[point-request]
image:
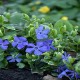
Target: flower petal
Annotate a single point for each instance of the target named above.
(43, 49)
(18, 59)
(40, 28)
(25, 43)
(62, 74)
(31, 45)
(39, 36)
(46, 31)
(12, 60)
(9, 57)
(6, 42)
(16, 39)
(53, 48)
(1, 41)
(45, 36)
(18, 55)
(29, 50)
(20, 46)
(22, 39)
(37, 52)
(4, 47)
(14, 44)
(40, 43)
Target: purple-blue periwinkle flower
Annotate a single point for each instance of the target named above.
(61, 68)
(62, 74)
(4, 44)
(77, 75)
(69, 73)
(20, 42)
(37, 49)
(65, 56)
(42, 33)
(49, 44)
(14, 58)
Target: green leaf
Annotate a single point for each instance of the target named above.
(53, 33)
(9, 35)
(77, 67)
(71, 60)
(9, 26)
(61, 23)
(1, 56)
(51, 63)
(17, 18)
(21, 65)
(1, 19)
(3, 63)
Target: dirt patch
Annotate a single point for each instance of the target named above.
(18, 74)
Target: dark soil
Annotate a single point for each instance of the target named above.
(18, 74)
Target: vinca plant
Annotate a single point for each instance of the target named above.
(30, 42)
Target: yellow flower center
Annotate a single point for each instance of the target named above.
(64, 18)
(44, 9)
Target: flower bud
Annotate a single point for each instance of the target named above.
(46, 53)
(1, 34)
(42, 20)
(34, 56)
(53, 32)
(63, 29)
(74, 33)
(58, 55)
(64, 18)
(26, 17)
(31, 31)
(56, 42)
(71, 60)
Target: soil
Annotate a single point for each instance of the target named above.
(18, 74)
(21, 74)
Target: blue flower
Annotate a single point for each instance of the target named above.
(65, 56)
(68, 73)
(4, 44)
(41, 33)
(37, 49)
(20, 42)
(14, 58)
(77, 76)
(62, 74)
(49, 45)
(61, 68)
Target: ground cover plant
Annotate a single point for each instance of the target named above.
(30, 42)
(51, 10)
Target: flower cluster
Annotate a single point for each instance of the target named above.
(37, 48)
(43, 46)
(64, 71)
